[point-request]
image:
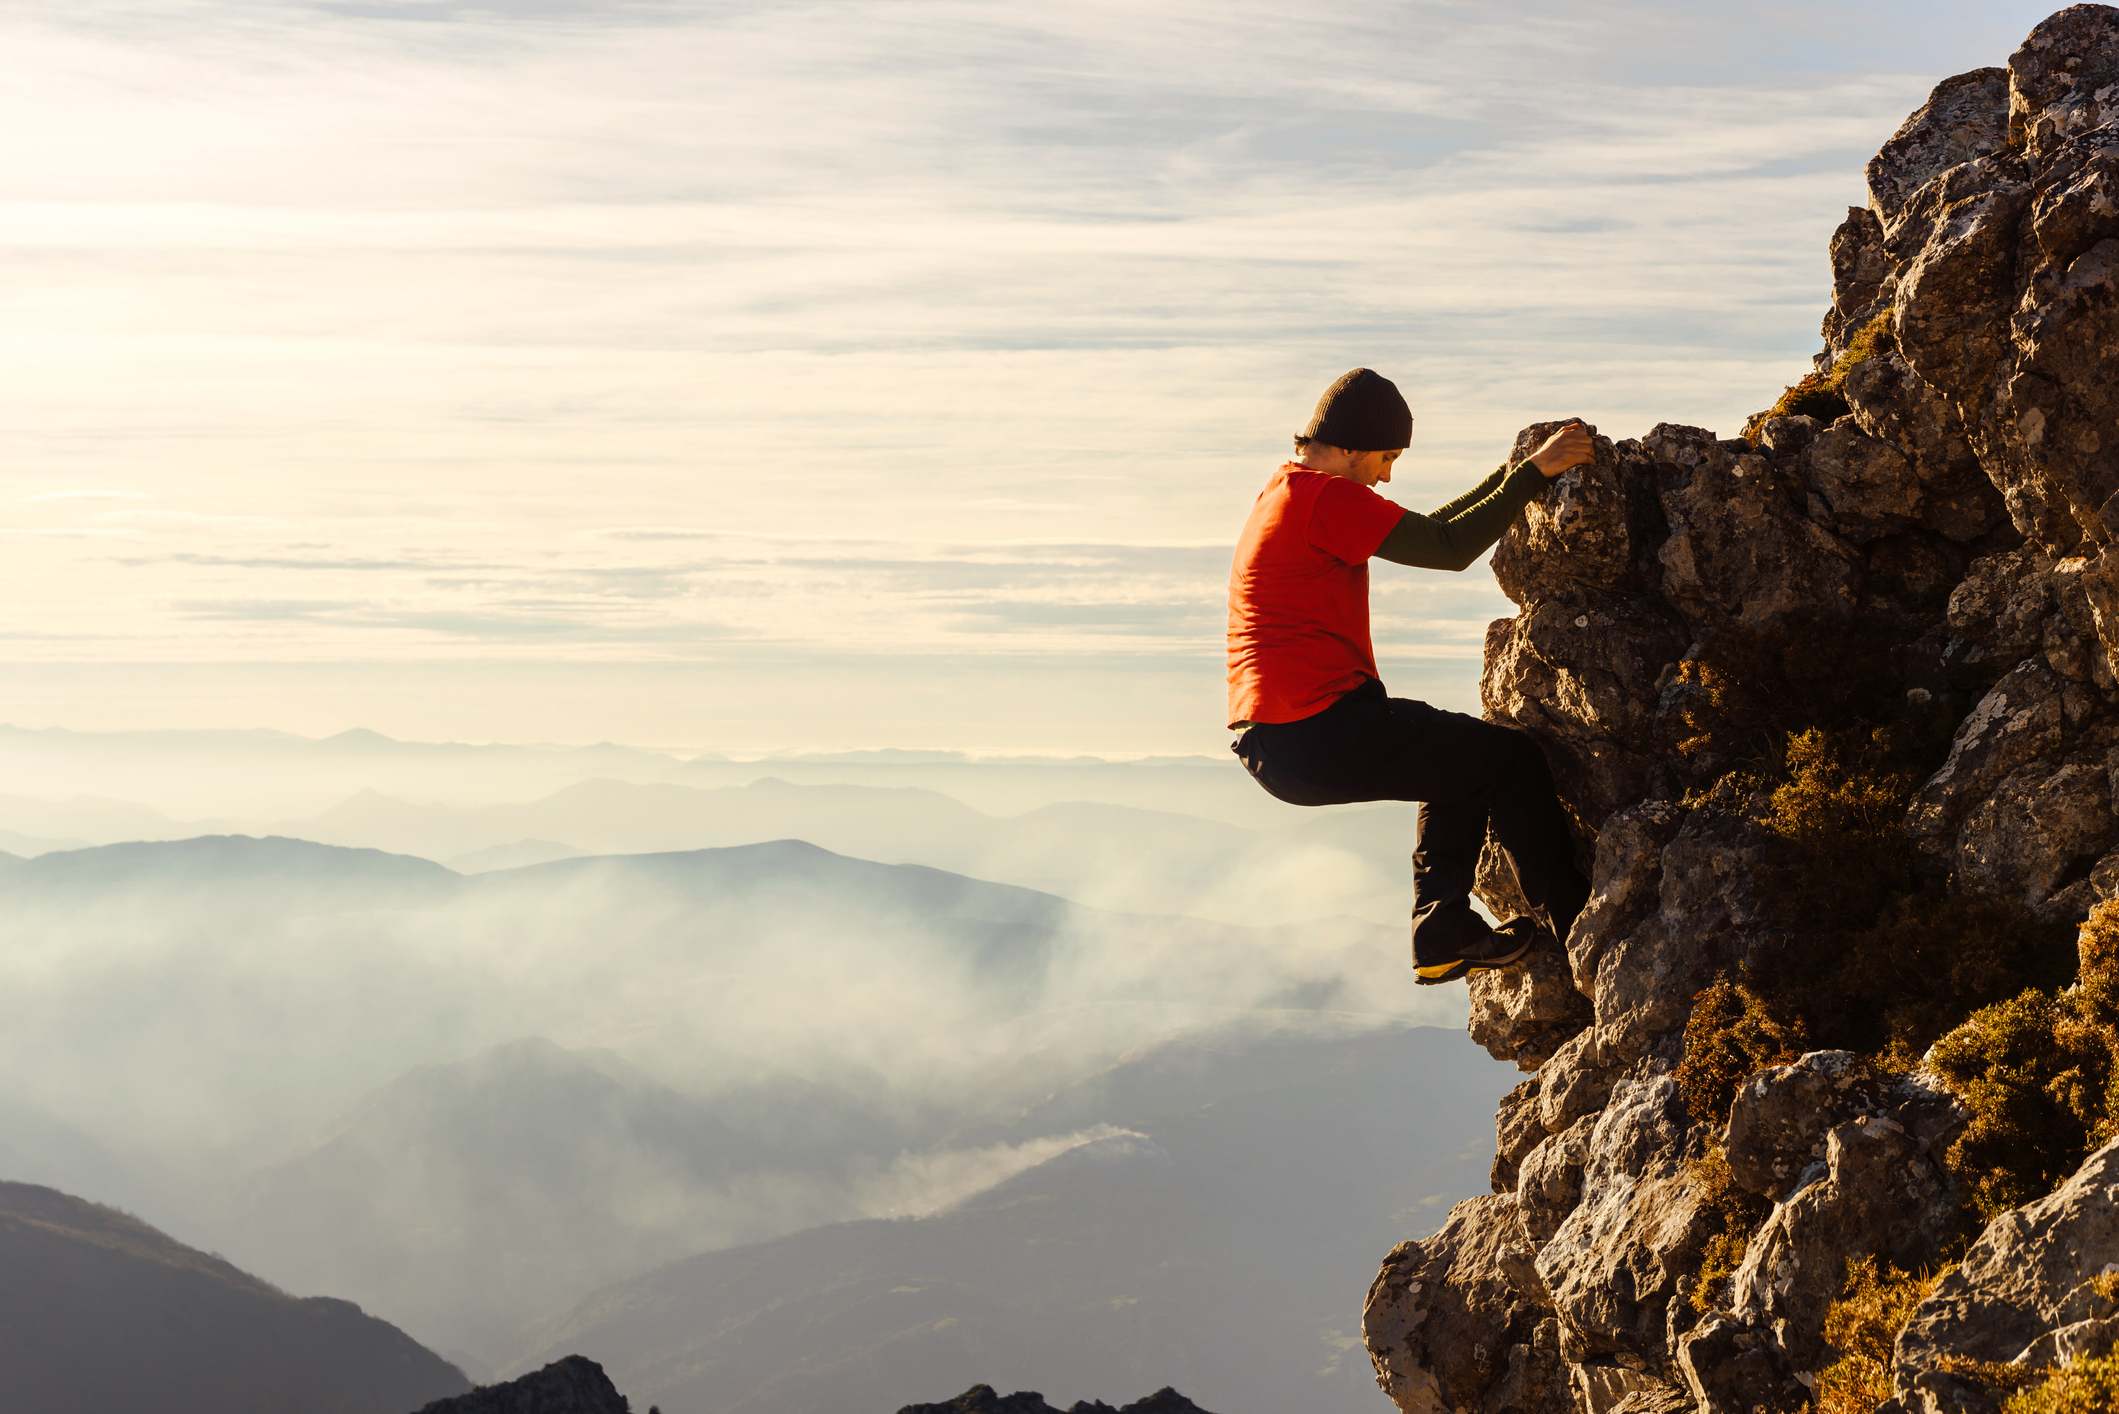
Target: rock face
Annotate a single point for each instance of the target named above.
(980, 1399)
(1942, 554)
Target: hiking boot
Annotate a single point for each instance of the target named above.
(1502, 945)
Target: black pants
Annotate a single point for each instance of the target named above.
(1466, 773)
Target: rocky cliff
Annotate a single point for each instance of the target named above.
(1822, 1087)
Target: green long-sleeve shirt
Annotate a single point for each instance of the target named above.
(1459, 531)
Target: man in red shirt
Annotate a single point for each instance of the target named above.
(1317, 727)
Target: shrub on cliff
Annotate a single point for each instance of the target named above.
(2038, 1073)
(1875, 957)
(1819, 394)
(1737, 695)
(1861, 1327)
(2088, 1386)
(1736, 1213)
(1731, 1035)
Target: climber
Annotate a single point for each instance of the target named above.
(1316, 726)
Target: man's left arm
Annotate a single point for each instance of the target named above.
(1453, 541)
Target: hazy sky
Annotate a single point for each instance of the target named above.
(744, 376)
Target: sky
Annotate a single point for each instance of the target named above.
(754, 377)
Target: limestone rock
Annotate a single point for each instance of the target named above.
(1732, 1368)
(1518, 1128)
(1573, 1083)
(2019, 721)
(1740, 550)
(1610, 1265)
(2024, 1278)
(1779, 1119)
(1880, 1194)
(1461, 1320)
(1710, 905)
(2061, 81)
(1965, 117)
(1579, 534)
(1571, 673)
(1623, 885)
(1861, 272)
(1526, 1012)
(1998, 611)
(1549, 1184)
(1869, 485)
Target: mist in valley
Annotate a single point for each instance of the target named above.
(467, 1100)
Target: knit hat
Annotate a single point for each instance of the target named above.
(1362, 412)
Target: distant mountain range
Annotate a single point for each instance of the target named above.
(1351, 861)
(99, 1311)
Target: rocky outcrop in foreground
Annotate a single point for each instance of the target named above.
(574, 1385)
(980, 1399)
(1822, 1084)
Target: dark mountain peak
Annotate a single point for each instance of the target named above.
(116, 1231)
(79, 1280)
(980, 1399)
(357, 737)
(574, 1385)
(209, 861)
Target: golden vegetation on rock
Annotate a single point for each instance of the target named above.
(1737, 1214)
(2038, 1073)
(1873, 958)
(2081, 1387)
(1817, 394)
(1860, 1328)
(1731, 1035)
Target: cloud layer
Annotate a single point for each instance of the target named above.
(579, 334)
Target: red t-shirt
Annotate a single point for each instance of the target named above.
(1299, 595)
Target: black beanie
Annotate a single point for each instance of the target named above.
(1362, 412)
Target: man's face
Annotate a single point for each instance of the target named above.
(1372, 467)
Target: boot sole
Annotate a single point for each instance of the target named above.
(1439, 972)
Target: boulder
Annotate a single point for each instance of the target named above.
(2024, 1282)
(1779, 1118)
(1526, 1012)
(1461, 1320)
(1880, 1195)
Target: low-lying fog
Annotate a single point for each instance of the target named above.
(467, 1099)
